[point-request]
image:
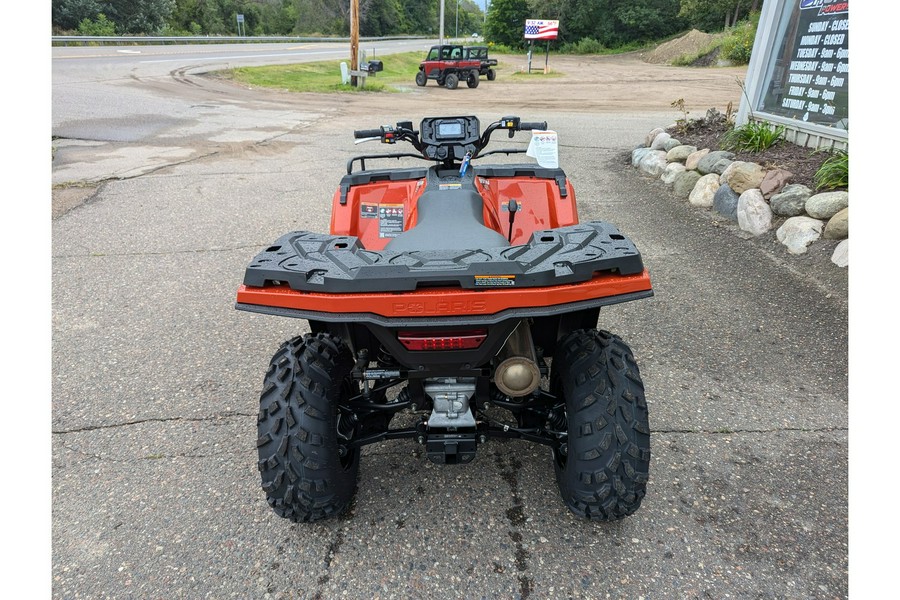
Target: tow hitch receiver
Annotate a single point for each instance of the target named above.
(451, 448)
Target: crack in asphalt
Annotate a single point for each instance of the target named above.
(516, 517)
(333, 548)
(232, 414)
(250, 143)
(218, 417)
(728, 431)
(150, 171)
(148, 457)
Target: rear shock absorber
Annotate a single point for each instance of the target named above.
(385, 359)
(556, 420)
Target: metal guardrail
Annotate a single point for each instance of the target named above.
(65, 40)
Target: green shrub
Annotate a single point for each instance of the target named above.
(583, 46)
(752, 137)
(738, 46)
(834, 172)
(102, 26)
(502, 49)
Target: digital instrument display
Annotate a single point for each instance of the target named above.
(449, 130)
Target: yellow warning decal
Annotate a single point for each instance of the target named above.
(495, 280)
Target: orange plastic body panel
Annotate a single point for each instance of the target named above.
(540, 207)
(349, 219)
(446, 302)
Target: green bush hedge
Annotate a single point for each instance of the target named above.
(738, 46)
(583, 46)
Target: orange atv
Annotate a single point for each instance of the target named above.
(434, 305)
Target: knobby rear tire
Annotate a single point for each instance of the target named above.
(603, 473)
(303, 475)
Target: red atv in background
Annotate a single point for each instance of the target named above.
(448, 66)
(434, 305)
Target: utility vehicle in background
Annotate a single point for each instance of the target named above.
(486, 64)
(448, 66)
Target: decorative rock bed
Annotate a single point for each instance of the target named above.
(746, 193)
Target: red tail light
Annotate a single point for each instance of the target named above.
(442, 340)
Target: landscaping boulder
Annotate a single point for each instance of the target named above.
(659, 142)
(721, 166)
(774, 182)
(680, 153)
(725, 202)
(637, 154)
(694, 159)
(704, 191)
(671, 143)
(753, 213)
(707, 163)
(791, 201)
(827, 204)
(653, 163)
(839, 256)
(684, 183)
(838, 227)
(673, 170)
(799, 232)
(648, 141)
(742, 176)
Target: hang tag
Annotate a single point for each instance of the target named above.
(544, 147)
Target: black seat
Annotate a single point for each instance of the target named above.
(449, 219)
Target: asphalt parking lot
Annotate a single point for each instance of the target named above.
(156, 379)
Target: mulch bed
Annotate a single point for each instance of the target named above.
(802, 162)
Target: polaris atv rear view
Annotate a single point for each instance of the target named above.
(438, 298)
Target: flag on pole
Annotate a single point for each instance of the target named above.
(539, 29)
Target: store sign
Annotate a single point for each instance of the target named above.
(539, 29)
(808, 79)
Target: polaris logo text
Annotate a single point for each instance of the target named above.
(451, 307)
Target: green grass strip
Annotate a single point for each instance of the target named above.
(325, 76)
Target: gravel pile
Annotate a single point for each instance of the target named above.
(690, 44)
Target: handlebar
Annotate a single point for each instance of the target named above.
(367, 133)
(404, 132)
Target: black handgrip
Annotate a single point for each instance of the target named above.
(367, 133)
(529, 126)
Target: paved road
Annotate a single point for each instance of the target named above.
(155, 379)
(124, 111)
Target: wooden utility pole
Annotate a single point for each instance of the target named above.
(442, 23)
(354, 39)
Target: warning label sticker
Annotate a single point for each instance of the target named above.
(449, 186)
(495, 280)
(390, 220)
(368, 211)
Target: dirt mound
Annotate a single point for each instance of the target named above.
(690, 44)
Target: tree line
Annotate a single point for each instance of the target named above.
(262, 17)
(612, 23)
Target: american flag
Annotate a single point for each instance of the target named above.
(537, 29)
